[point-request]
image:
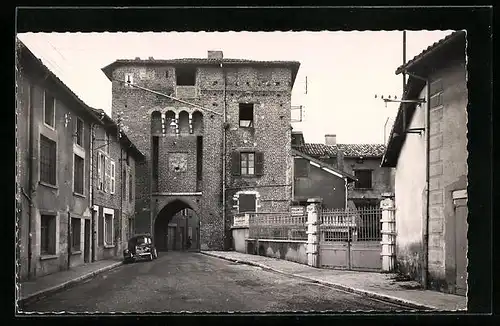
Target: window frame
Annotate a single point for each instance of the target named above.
(251, 122)
(247, 163)
(76, 191)
(45, 93)
(78, 133)
(108, 212)
(51, 166)
(356, 183)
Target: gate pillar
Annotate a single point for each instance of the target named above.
(388, 233)
(313, 219)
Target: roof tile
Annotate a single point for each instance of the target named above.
(349, 150)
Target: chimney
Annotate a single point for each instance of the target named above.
(331, 139)
(215, 55)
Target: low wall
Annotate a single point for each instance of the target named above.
(240, 234)
(291, 250)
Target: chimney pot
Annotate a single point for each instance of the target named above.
(331, 139)
(215, 55)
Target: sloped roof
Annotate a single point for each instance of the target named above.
(325, 166)
(293, 65)
(93, 112)
(430, 49)
(349, 150)
(428, 61)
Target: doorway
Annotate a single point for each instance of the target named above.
(86, 242)
(461, 212)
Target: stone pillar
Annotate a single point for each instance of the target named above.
(313, 220)
(388, 233)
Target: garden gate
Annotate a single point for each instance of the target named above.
(350, 239)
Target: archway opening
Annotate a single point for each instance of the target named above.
(177, 228)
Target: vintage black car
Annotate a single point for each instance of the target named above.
(140, 247)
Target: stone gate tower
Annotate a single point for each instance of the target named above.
(216, 135)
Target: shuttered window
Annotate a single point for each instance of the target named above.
(247, 163)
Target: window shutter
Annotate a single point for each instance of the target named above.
(112, 177)
(259, 163)
(99, 172)
(235, 163)
(107, 175)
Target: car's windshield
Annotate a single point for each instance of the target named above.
(142, 240)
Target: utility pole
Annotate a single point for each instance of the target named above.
(404, 59)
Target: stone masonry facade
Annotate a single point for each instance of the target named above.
(177, 177)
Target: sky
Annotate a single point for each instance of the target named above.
(344, 69)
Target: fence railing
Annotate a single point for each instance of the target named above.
(279, 226)
(362, 224)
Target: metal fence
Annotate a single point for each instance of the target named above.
(280, 226)
(362, 224)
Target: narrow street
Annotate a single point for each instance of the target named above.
(194, 282)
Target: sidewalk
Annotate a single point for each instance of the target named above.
(44, 285)
(378, 285)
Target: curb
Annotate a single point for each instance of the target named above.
(42, 293)
(382, 297)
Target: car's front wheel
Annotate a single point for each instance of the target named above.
(155, 254)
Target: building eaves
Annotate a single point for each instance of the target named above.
(293, 65)
(111, 126)
(430, 50)
(324, 165)
(348, 150)
(94, 113)
(424, 63)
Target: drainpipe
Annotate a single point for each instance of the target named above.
(31, 164)
(224, 160)
(93, 221)
(427, 177)
(346, 190)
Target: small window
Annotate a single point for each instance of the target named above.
(186, 76)
(246, 115)
(79, 132)
(47, 160)
(78, 174)
(247, 163)
(48, 234)
(129, 79)
(301, 167)
(49, 110)
(75, 234)
(247, 203)
(364, 179)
